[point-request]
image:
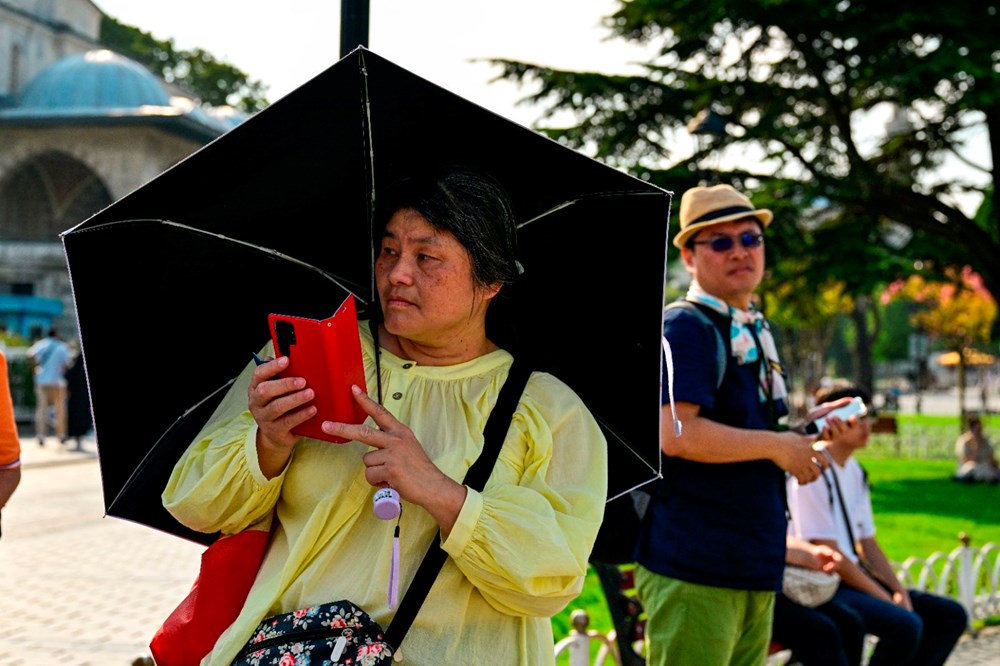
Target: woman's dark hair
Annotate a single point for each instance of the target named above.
(469, 204)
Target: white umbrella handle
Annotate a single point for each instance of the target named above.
(669, 357)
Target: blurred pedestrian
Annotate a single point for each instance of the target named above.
(50, 356)
(10, 444)
(977, 460)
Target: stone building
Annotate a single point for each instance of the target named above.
(80, 127)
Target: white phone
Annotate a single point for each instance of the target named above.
(856, 407)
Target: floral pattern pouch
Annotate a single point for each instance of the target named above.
(332, 634)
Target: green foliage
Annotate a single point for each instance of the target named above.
(216, 83)
(21, 377)
(793, 82)
(894, 345)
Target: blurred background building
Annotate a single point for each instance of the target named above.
(80, 127)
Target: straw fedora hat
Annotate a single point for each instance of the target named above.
(702, 207)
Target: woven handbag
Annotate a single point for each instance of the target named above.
(809, 587)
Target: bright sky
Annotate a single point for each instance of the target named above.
(284, 44)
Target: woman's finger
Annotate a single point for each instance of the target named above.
(357, 432)
(383, 417)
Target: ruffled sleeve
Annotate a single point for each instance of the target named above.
(217, 484)
(524, 542)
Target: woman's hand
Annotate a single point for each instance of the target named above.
(399, 461)
(277, 405)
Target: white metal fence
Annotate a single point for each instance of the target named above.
(967, 574)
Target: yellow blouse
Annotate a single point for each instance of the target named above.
(517, 553)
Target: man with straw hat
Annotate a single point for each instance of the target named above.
(712, 549)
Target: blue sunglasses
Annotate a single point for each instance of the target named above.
(747, 239)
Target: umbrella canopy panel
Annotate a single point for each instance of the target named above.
(277, 216)
(151, 361)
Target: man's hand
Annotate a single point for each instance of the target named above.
(815, 556)
(902, 599)
(825, 408)
(797, 457)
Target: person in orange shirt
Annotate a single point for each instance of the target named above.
(10, 444)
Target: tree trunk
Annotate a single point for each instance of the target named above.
(961, 390)
(863, 346)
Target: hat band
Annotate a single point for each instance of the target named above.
(722, 212)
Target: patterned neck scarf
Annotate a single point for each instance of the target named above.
(746, 329)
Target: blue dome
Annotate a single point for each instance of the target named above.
(94, 80)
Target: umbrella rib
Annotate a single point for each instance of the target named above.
(595, 195)
(142, 463)
(260, 248)
(635, 487)
(606, 427)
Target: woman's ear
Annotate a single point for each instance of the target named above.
(490, 290)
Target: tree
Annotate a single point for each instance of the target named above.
(794, 82)
(959, 313)
(215, 83)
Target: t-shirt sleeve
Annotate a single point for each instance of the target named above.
(217, 484)
(693, 348)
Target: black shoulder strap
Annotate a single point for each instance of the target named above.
(721, 352)
(840, 500)
(493, 434)
(850, 532)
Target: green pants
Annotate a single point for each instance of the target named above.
(700, 625)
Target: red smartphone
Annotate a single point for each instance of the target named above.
(327, 354)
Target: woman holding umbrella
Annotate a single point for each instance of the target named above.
(517, 551)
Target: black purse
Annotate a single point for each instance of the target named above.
(340, 632)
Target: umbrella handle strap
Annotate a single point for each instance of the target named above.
(668, 356)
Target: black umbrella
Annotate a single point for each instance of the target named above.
(173, 283)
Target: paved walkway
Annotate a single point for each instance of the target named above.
(79, 589)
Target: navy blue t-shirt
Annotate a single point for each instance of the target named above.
(716, 524)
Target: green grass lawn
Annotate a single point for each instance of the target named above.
(919, 510)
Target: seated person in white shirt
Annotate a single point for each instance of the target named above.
(913, 627)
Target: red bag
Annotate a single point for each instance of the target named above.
(228, 569)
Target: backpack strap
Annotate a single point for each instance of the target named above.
(721, 356)
(494, 434)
